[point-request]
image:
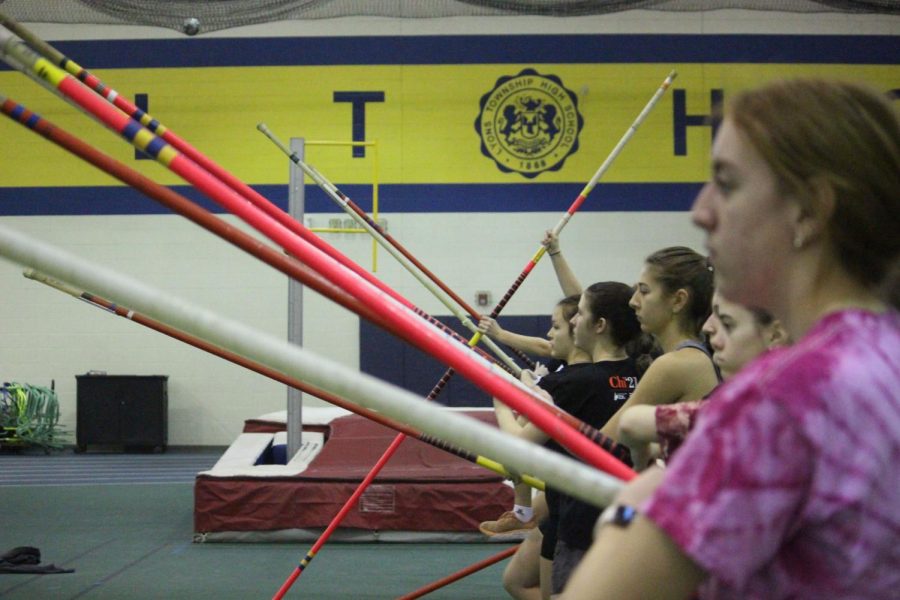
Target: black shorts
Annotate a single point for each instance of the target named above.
(548, 543)
(564, 562)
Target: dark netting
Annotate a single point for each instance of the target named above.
(211, 15)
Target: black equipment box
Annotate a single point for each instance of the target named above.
(131, 411)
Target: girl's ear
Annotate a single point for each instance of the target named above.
(776, 335)
(679, 300)
(817, 204)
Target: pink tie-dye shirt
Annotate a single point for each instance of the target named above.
(789, 487)
(673, 423)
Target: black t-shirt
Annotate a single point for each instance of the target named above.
(592, 392)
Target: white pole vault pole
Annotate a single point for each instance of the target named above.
(561, 472)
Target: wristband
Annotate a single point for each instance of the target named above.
(553, 253)
(620, 515)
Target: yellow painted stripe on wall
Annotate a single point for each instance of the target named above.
(425, 127)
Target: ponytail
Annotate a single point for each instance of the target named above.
(644, 349)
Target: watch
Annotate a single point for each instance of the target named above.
(620, 515)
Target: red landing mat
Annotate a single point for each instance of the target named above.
(421, 489)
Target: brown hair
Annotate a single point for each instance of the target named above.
(569, 307)
(847, 135)
(678, 267)
(609, 299)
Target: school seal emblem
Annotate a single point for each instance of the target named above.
(529, 123)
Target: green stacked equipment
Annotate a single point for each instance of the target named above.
(29, 416)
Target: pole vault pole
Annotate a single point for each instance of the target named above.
(620, 452)
(564, 220)
(562, 472)
(136, 317)
(181, 205)
(153, 126)
(211, 223)
(412, 265)
(567, 474)
(278, 260)
(58, 82)
(473, 568)
(393, 246)
(63, 62)
(377, 231)
(407, 322)
(576, 204)
(353, 209)
(603, 441)
(127, 313)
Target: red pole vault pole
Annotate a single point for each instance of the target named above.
(501, 388)
(407, 323)
(211, 223)
(200, 344)
(350, 207)
(558, 228)
(620, 452)
(202, 180)
(185, 207)
(473, 568)
(183, 166)
(601, 440)
(576, 204)
(121, 311)
(154, 126)
(336, 521)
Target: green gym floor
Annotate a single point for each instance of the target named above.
(133, 541)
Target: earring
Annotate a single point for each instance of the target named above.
(799, 242)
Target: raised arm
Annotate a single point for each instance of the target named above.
(535, 346)
(567, 281)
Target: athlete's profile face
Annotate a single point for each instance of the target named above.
(560, 335)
